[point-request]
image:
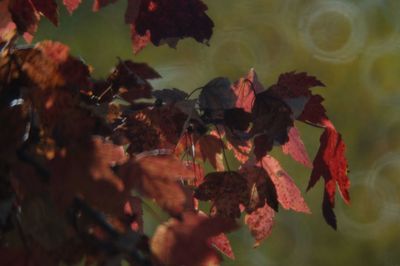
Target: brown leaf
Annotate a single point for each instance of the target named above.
(131, 80)
(156, 128)
(192, 236)
(211, 148)
(226, 190)
(158, 177)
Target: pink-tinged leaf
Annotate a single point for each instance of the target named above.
(133, 208)
(221, 243)
(71, 5)
(295, 148)
(244, 90)
(48, 8)
(98, 4)
(289, 195)
(7, 27)
(139, 41)
(260, 223)
(293, 85)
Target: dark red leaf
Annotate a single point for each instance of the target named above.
(167, 21)
(271, 122)
(237, 119)
(48, 8)
(24, 15)
(261, 187)
(293, 85)
(226, 190)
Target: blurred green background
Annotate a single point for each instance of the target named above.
(352, 46)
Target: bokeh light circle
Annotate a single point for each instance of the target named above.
(379, 70)
(323, 26)
(371, 208)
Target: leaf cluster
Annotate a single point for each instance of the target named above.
(80, 156)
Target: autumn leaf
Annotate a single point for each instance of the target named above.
(71, 5)
(271, 122)
(226, 190)
(330, 162)
(289, 195)
(155, 128)
(210, 148)
(158, 177)
(295, 147)
(85, 170)
(170, 96)
(48, 8)
(293, 85)
(192, 235)
(222, 244)
(166, 21)
(133, 208)
(215, 97)
(24, 15)
(131, 80)
(260, 186)
(245, 90)
(260, 223)
(98, 4)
